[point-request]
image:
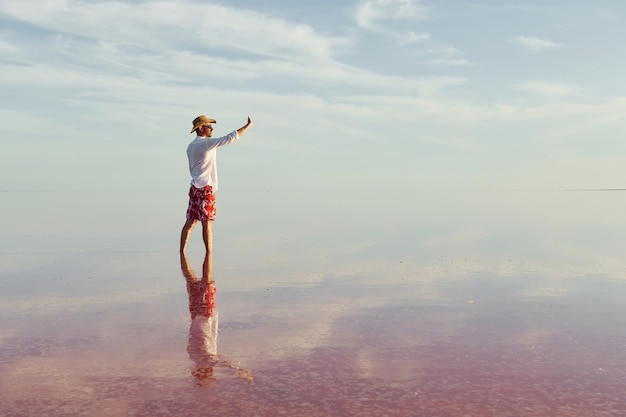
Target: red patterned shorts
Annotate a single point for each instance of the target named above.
(201, 203)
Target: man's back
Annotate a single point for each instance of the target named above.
(202, 156)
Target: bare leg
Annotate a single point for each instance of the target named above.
(186, 269)
(184, 234)
(206, 269)
(207, 236)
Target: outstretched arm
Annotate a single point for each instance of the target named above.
(243, 129)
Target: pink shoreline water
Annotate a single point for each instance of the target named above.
(335, 349)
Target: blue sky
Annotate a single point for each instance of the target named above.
(391, 94)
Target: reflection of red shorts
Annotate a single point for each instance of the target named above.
(201, 203)
(201, 298)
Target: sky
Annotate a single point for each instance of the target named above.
(396, 96)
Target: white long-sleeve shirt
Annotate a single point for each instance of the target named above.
(202, 155)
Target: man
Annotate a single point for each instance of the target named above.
(201, 153)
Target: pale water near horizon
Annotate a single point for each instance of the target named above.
(440, 304)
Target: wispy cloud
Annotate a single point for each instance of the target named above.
(411, 38)
(535, 44)
(370, 13)
(171, 25)
(6, 47)
(448, 55)
(553, 90)
(158, 43)
(514, 7)
(384, 17)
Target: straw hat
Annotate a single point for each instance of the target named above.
(201, 121)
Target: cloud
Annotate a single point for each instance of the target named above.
(383, 16)
(535, 44)
(552, 90)
(446, 55)
(108, 44)
(6, 47)
(451, 62)
(514, 7)
(458, 144)
(370, 12)
(411, 38)
(172, 25)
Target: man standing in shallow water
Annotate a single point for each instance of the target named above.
(202, 152)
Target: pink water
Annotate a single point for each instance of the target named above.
(480, 347)
(487, 305)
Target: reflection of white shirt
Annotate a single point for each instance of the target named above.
(202, 154)
(202, 346)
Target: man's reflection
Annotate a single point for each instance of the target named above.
(202, 346)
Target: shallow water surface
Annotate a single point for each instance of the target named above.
(463, 318)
